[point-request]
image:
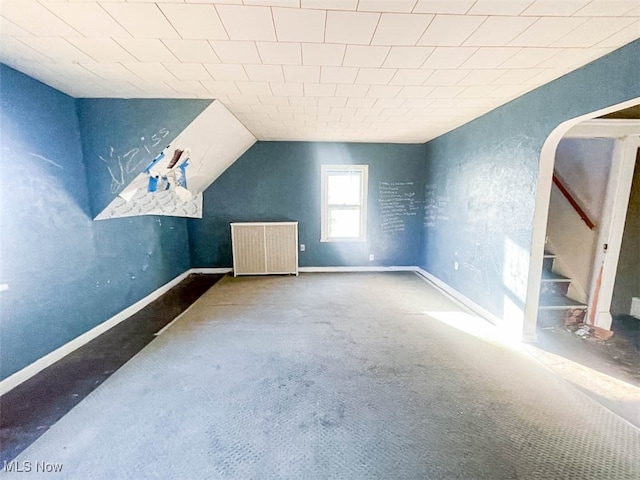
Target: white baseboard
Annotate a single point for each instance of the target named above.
(49, 359)
(459, 298)
(30, 370)
(356, 269)
(210, 271)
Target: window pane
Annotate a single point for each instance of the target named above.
(344, 223)
(343, 188)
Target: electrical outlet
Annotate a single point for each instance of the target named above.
(456, 265)
(371, 257)
(302, 247)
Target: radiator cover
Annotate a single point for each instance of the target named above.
(264, 248)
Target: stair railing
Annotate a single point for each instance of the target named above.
(576, 206)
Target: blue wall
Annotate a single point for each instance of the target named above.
(66, 273)
(121, 137)
(280, 181)
(481, 180)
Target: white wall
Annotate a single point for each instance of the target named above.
(583, 165)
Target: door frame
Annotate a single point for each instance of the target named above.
(541, 213)
(614, 213)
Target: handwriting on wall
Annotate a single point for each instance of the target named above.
(397, 202)
(120, 164)
(435, 206)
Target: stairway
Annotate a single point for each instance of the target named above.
(556, 309)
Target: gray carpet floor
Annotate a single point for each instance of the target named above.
(334, 376)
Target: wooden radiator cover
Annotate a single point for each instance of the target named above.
(266, 248)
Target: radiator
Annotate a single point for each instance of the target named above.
(265, 248)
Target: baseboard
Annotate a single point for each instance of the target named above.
(456, 296)
(459, 298)
(210, 271)
(29, 371)
(49, 359)
(357, 269)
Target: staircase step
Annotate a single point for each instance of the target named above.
(554, 283)
(555, 311)
(555, 302)
(548, 276)
(555, 308)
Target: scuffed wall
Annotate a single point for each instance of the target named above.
(481, 180)
(208, 144)
(121, 137)
(65, 273)
(280, 181)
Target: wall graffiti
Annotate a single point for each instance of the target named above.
(120, 166)
(397, 202)
(435, 207)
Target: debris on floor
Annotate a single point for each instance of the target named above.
(574, 317)
(590, 331)
(616, 354)
(582, 331)
(601, 333)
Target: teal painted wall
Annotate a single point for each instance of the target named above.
(121, 137)
(280, 181)
(66, 273)
(481, 180)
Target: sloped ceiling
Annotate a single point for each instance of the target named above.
(357, 70)
(210, 143)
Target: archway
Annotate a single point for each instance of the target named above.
(543, 193)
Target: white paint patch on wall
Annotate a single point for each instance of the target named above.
(215, 140)
(164, 203)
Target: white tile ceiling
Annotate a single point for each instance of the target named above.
(356, 70)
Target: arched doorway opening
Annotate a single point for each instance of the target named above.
(609, 237)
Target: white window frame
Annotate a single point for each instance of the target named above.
(325, 170)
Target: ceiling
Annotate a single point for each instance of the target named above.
(346, 70)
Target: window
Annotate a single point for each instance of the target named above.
(344, 203)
